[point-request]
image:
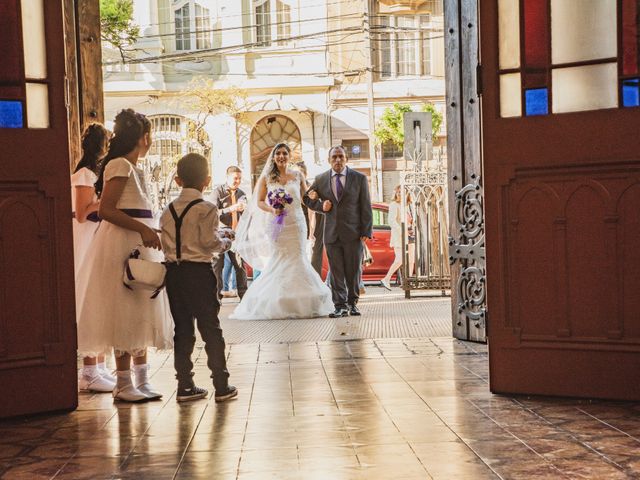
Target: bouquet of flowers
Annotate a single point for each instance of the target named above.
(279, 199)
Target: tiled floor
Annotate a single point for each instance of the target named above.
(361, 409)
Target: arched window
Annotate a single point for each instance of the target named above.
(172, 137)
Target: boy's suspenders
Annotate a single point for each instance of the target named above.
(178, 221)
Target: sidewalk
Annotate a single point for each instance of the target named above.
(384, 315)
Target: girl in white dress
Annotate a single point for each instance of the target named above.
(288, 286)
(95, 141)
(112, 316)
(395, 241)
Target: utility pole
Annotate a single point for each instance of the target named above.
(376, 163)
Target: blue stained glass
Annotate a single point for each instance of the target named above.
(536, 101)
(631, 92)
(11, 114)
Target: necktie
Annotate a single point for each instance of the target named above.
(234, 214)
(339, 186)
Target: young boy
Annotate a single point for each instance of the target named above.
(190, 237)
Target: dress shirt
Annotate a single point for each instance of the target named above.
(334, 179)
(221, 198)
(199, 234)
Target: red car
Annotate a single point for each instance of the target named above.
(383, 255)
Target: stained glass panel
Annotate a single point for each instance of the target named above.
(536, 33)
(630, 38)
(509, 33)
(631, 92)
(583, 30)
(11, 115)
(37, 105)
(590, 87)
(510, 99)
(536, 101)
(33, 37)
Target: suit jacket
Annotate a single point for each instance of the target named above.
(351, 217)
(221, 198)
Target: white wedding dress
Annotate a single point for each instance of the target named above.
(288, 286)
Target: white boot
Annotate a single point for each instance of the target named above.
(105, 373)
(91, 381)
(124, 389)
(142, 382)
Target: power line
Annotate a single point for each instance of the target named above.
(227, 49)
(245, 27)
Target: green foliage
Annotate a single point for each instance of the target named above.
(390, 128)
(436, 118)
(116, 24)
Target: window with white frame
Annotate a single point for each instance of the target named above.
(268, 30)
(403, 44)
(192, 26)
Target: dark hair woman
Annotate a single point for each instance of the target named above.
(112, 316)
(84, 203)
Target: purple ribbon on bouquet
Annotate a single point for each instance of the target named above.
(278, 225)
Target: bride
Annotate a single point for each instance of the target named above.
(273, 240)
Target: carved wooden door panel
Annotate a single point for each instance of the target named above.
(466, 214)
(37, 318)
(561, 153)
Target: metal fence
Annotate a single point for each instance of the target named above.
(425, 230)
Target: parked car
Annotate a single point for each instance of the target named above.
(383, 255)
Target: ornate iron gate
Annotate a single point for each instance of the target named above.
(425, 231)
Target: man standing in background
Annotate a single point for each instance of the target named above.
(231, 202)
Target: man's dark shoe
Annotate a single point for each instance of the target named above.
(227, 394)
(353, 311)
(339, 312)
(193, 393)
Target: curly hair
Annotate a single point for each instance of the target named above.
(93, 139)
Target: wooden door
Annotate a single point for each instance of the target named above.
(466, 213)
(37, 318)
(561, 153)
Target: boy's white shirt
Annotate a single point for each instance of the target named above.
(200, 235)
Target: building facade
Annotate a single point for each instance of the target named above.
(302, 67)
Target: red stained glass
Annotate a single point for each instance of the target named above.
(11, 71)
(536, 33)
(630, 39)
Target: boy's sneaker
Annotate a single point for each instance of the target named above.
(227, 394)
(193, 393)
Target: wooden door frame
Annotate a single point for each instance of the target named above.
(85, 96)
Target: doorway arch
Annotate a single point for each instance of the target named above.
(268, 132)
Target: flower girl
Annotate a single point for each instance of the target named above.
(95, 141)
(112, 316)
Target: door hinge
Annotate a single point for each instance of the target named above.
(479, 79)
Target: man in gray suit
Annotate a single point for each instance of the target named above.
(342, 195)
